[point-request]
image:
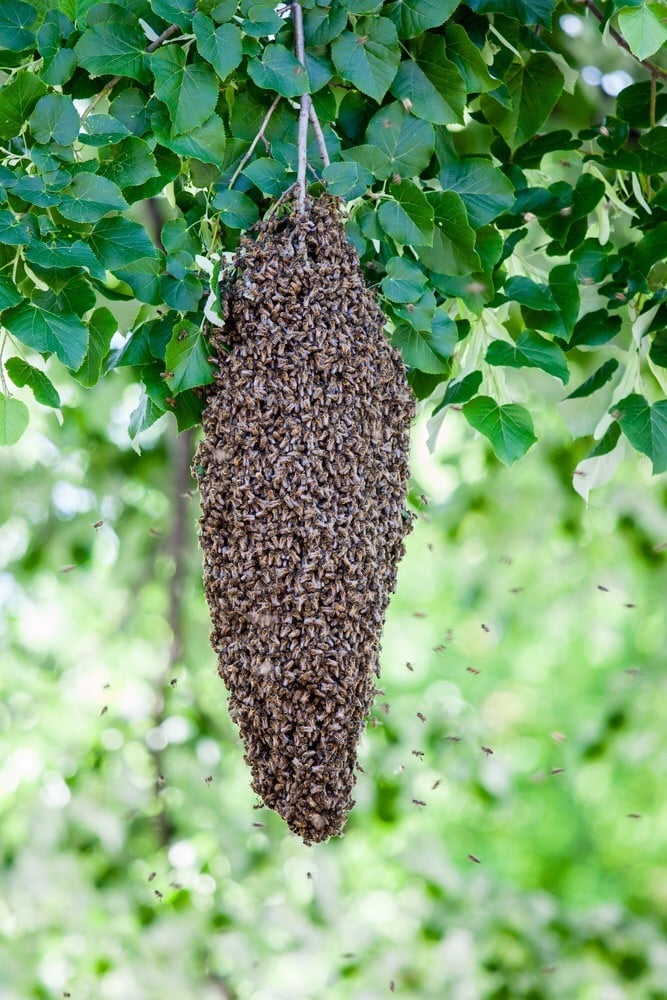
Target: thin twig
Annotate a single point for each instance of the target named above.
(618, 37)
(652, 101)
(108, 87)
(319, 134)
(251, 148)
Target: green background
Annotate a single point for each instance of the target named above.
(569, 897)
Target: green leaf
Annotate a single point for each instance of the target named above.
(407, 216)
(206, 143)
(59, 333)
(113, 49)
(237, 210)
(145, 414)
(102, 130)
(90, 197)
(594, 329)
(509, 428)
(431, 84)
(186, 358)
(14, 232)
(143, 277)
(102, 325)
(467, 57)
(68, 293)
(370, 157)
(17, 99)
(128, 163)
(9, 295)
(14, 419)
(63, 254)
(21, 373)
(524, 11)
(118, 242)
(183, 293)
(404, 282)
(657, 354)
(16, 18)
(190, 90)
(599, 378)
(177, 237)
(529, 293)
(453, 250)
(369, 57)
(565, 294)
(643, 28)
(530, 351)
(534, 88)
(645, 427)
(221, 47)
(279, 71)
(262, 20)
(269, 176)
(483, 188)
(429, 351)
(55, 119)
(407, 141)
(419, 314)
(322, 26)
(412, 17)
(174, 11)
(607, 442)
(460, 391)
(347, 180)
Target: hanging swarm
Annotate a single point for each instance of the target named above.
(303, 475)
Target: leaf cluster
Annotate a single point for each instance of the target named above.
(507, 250)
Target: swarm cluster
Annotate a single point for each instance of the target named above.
(303, 476)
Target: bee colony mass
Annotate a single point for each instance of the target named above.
(303, 476)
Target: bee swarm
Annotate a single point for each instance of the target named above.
(303, 477)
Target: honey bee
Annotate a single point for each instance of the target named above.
(485, 628)
(472, 670)
(475, 860)
(486, 750)
(104, 710)
(417, 753)
(98, 524)
(208, 779)
(419, 802)
(605, 589)
(152, 876)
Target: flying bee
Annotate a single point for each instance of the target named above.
(556, 770)
(475, 860)
(173, 682)
(417, 753)
(472, 670)
(98, 524)
(152, 876)
(487, 750)
(485, 628)
(634, 815)
(208, 779)
(436, 784)
(105, 709)
(422, 718)
(604, 589)
(158, 894)
(410, 667)
(419, 802)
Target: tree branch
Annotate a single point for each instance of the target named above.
(652, 67)
(304, 112)
(253, 144)
(319, 134)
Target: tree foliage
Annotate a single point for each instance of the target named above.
(500, 243)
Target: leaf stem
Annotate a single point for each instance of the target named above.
(652, 103)
(253, 144)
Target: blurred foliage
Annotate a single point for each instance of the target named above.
(133, 861)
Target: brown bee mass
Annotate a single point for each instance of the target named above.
(303, 476)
